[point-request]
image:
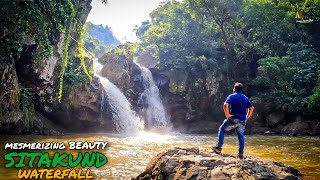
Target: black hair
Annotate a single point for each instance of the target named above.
(238, 87)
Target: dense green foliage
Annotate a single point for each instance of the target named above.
(40, 19)
(81, 53)
(65, 56)
(43, 22)
(269, 45)
(289, 80)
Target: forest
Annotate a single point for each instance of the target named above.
(271, 46)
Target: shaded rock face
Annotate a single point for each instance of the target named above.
(80, 108)
(81, 112)
(297, 128)
(194, 105)
(267, 119)
(275, 118)
(12, 123)
(116, 69)
(125, 74)
(36, 77)
(147, 58)
(194, 163)
(9, 89)
(11, 117)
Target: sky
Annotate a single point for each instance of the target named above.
(122, 15)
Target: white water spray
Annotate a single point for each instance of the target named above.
(155, 113)
(124, 118)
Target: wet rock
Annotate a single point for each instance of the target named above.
(161, 80)
(35, 79)
(81, 112)
(297, 129)
(116, 69)
(43, 126)
(315, 124)
(11, 116)
(147, 58)
(124, 73)
(12, 123)
(194, 163)
(275, 118)
(9, 89)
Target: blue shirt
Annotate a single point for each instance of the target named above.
(238, 104)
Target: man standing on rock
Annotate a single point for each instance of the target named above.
(237, 109)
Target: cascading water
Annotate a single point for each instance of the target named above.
(124, 118)
(155, 113)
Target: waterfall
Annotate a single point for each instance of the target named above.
(124, 118)
(155, 113)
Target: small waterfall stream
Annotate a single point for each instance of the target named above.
(155, 113)
(124, 118)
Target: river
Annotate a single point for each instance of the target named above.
(128, 155)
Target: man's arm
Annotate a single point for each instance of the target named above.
(226, 110)
(249, 113)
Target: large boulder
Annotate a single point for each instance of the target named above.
(121, 70)
(81, 111)
(147, 58)
(315, 125)
(275, 118)
(297, 128)
(194, 163)
(115, 69)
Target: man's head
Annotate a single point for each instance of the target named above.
(238, 87)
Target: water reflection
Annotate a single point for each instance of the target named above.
(128, 155)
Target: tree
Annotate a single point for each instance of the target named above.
(289, 80)
(224, 14)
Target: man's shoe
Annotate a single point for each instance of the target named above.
(240, 156)
(217, 149)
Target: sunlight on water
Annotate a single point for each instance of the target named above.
(129, 155)
(150, 137)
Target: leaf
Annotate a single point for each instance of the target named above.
(299, 15)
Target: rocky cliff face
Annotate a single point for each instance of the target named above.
(267, 120)
(194, 105)
(10, 114)
(124, 73)
(30, 77)
(195, 163)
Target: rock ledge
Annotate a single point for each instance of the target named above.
(194, 163)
